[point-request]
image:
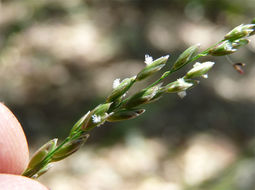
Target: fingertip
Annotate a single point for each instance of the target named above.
(14, 153)
(15, 182)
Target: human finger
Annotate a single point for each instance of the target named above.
(14, 154)
(15, 182)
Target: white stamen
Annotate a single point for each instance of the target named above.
(148, 59)
(105, 116)
(199, 66)
(182, 94)
(183, 83)
(116, 83)
(96, 118)
(205, 76)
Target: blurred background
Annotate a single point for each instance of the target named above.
(58, 59)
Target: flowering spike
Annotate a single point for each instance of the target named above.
(180, 85)
(120, 88)
(41, 153)
(240, 32)
(144, 96)
(224, 48)
(96, 117)
(78, 124)
(185, 57)
(69, 148)
(151, 66)
(117, 109)
(240, 42)
(199, 69)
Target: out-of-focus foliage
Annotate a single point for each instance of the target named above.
(58, 59)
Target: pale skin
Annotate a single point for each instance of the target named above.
(14, 154)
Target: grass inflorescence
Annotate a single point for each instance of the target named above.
(117, 107)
